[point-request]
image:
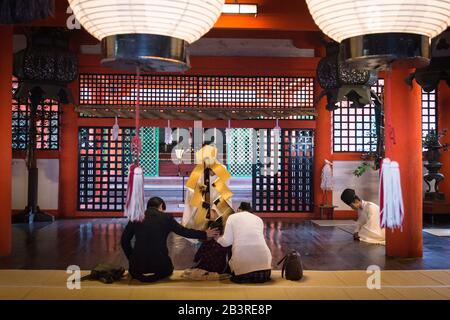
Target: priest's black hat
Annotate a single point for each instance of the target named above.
(348, 196)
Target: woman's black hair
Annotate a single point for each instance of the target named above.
(245, 206)
(156, 202)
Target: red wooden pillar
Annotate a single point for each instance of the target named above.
(322, 147)
(443, 95)
(403, 115)
(68, 168)
(6, 62)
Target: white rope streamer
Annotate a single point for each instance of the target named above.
(228, 133)
(326, 182)
(168, 139)
(115, 131)
(277, 133)
(391, 197)
(135, 208)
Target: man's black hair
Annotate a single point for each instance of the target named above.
(348, 196)
(245, 206)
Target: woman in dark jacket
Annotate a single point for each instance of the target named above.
(149, 259)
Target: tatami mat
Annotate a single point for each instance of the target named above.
(333, 223)
(51, 284)
(438, 232)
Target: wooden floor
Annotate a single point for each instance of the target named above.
(87, 242)
(315, 285)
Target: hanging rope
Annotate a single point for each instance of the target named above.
(136, 144)
(134, 206)
(228, 133)
(388, 102)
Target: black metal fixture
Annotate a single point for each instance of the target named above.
(147, 51)
(432, 154)
(23, 11)
(43, 70)
(439, 68)
(342, 82)
(377, 51)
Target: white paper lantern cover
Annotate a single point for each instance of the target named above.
(183, 19)
(343, 19)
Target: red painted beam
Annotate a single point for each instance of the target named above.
(6, 64)
(68, 168)
(322, 149)
(259, 124)
(403, 126)
(226, 66)
(40, 154)
(443, 95)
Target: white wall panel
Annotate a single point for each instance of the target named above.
(48, 184)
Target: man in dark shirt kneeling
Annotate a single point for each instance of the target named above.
(149, 259)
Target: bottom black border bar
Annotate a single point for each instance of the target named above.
(212, 309)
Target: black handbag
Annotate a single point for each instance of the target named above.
(292, 266)
(106, 273)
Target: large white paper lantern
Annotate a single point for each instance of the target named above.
(150, 30)
(343, 19)
(399, 28)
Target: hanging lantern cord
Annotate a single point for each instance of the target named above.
(136, 144)
(388, 101)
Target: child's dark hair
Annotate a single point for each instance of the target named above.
(218, 224)
(156, 202)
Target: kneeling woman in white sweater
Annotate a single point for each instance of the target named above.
(251, 260)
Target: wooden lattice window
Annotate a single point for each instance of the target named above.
(103, 165)
(149, 158)
(354, 128)
(213, 136)
(102, 168)
(283, 172)
(47, 124)
(187, 92)
(240, 152)
(429, 112)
